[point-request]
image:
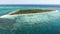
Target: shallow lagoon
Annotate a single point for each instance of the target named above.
(46, 23)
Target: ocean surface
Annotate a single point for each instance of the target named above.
(5, 9)
(36, 24)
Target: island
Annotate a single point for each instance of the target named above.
(31, 11)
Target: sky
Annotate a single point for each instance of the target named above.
(29, 1)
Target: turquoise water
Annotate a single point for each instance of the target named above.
(34, 24)
(7, 9)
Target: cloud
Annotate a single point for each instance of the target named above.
(29, 1)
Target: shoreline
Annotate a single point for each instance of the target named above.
(8, 15)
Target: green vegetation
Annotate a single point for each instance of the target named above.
(31, 11)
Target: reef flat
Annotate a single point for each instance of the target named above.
(37, 23)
